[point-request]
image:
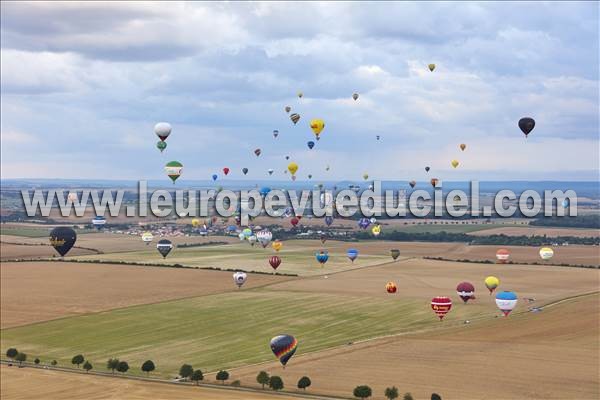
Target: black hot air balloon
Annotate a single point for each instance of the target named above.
(526, 124)
(395, 253)
(245, 170)
(164, 247)
(63, 238)
(284, 347)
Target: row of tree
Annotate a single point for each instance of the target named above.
(391, 393)
(276, 383)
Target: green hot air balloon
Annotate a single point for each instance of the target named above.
(173, 170)
(161, 145)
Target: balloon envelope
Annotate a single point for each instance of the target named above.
(275, 261)
(164, 247)
(506, 302)
(395, 253)
(546, 253)
(293, 168)
(441, 305)
(466, 291)
(491, 282)
(239, 278)
(502, 255)
(526, 124)
(352, 254)
(162, 130)
(173, 169)
(63, 238)
(284, 347)
(322, 257)
(317, 126)
(225, 170)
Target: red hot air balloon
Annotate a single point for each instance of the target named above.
(294, 221)
(226, 170)
(466, 291)
(275, 261)
(441, 305)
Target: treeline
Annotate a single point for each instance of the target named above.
(464, 260)
(186, 245)
(501, 239)
(581, 221)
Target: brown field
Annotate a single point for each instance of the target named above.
(538, 231)
(547, 355)
(40, 291)
(30, 383)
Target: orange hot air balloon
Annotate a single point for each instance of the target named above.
(502, 255)
(277, 245)
(441, 305)
(391, 287)
(463, 146)
(434, 182)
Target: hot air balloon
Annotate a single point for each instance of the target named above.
(275, 261)
(322, 257)
(244, 171)
(526, 125)
(264, 191)
(376, 230)
(293, 167)
(294, 221)
(506, 302)
(365, 176)
(195, 222)
(491, 282)
(295, 118)
(173, 170)
(247, 232)
(277, 245)
(317, 126)
(377, 137)
(62, 238)
(162, 130)
(287, 157)
(161, 145)
(327, 168)
(395, 253)
(226, 170)
(98, 222)
(454, 163)
(352, 254)
(239, 278)
(264, 238)
(300, 94)
(431, 67)
(270, 171)
(275, 133)
(310, 144)
(72, 196)
(466, 291)
(441, 305)
(364, 223)
(326, 199)
(288, 109)
(328, 220)
(412, 183)
(323, 238)
(284, 347)
(391, 287)
(257, 152)
(355, 96)
(502, 255)
(252, 240)
(565, 203)
(427, 169)
(164, 247)
(309, 176)
(241, 236)
(546, 253)
(463, 146)
(214, 177)
(434, 182)
(147, 237)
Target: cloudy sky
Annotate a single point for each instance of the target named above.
(84, 84)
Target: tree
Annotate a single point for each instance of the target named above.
(276, 383)
(262, 378)
(36, 361)
(197, 376)
(304, 382)
(87, 366)
(186, 371)
(112, 364)
(362, 392)
(435, 396)
(391, 393)
(122, 366)
(12, 353)
(148, 366)
(222, 376)
(78, 359)
(53, 363)
(407, 396)
(21, 358)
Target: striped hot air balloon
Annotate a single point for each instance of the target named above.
(506, 302)
(284, 347)
(502, 255)
(275, 261)
(466, 291)
(173, 170)
(352, 254)
(322, 257)
(441, 305)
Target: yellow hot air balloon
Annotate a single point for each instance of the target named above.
(491, 282)
(293, 167)
(463, 146)
(546, 253)
(277, 245)
(431, 67)
(376, 230)
(195, 222)
(365, 176)
(454, 163)
(317, 126)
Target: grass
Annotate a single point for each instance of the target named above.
(218, 331)
(25, 231)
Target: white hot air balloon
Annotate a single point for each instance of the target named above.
(546, 253)
(147, 237)
(264, 237)
(506, 302)
(239, 278)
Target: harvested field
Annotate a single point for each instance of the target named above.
(537, 231)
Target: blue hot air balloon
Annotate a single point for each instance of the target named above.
(214, 177)
(328, 220)
(506, 302)
(322, 257)
(265, 191)
(310, 144)
(352, 254)
(284, 347)
(364, 223)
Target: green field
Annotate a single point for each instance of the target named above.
(297, 258)
(466, 228)
(25, 231)
(219, 331)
